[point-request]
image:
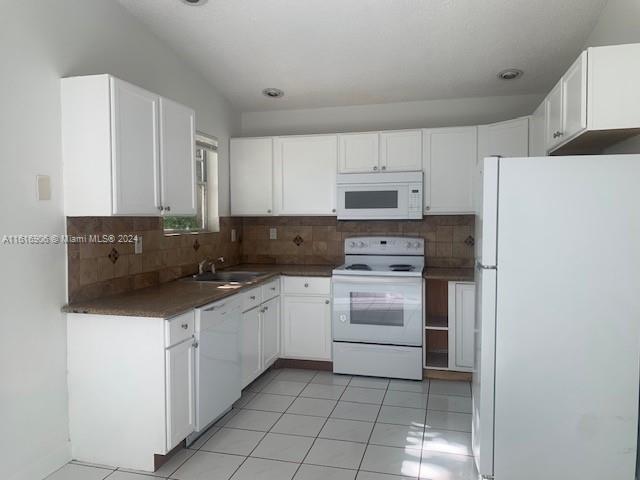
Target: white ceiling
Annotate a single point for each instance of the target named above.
(347, 52)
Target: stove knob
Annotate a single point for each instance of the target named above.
(416, 245)
(409, 244)
(352, 244)
(361, 244)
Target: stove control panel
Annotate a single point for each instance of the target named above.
(384, 245)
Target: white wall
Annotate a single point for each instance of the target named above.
(618, 23)
(430, 113)
(41, 41)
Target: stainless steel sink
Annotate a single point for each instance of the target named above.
(225, 277)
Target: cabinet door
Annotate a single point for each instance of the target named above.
(250, 346)
(134, 149)
(177, 158)
(553, 116)
(505, 139)
(251, 176)
(449, 159)
(306, 327)
(574, 98)
(180, 392)
(358, 152)
(270, 326)
(401, 151)
(461, 325)
(305, 174)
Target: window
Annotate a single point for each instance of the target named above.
(206, 217)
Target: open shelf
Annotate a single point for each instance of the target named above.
(437, 360)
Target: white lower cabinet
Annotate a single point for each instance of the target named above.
(270, 327)
(306, 327)
(461, 325)
(180, 392)
(250, 359)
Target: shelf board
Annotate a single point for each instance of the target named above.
(442, 329)
(439, 321)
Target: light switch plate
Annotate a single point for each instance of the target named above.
(233, 235)
(43, 187)
(273, 234)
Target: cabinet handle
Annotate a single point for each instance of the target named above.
(306, 285)
(266, 308)
(160, 207)
(327, 302)
(557, 134)
(273, 288)
(185, 325)
(384, 168)
(375, 168)
(195, 344)
(269, 211)
(252, 297)
(333, 210)
(168, 209)
(427, 208)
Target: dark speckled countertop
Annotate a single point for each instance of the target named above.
(173, 298)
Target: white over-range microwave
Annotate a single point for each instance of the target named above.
(379, 196)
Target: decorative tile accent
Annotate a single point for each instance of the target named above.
(113, 255)
(196, 244)
(469, 241)
(298, 240)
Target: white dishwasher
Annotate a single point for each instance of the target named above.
(217, 333)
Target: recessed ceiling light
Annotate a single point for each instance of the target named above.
(195, 2)
(273, 93)
(510, 74)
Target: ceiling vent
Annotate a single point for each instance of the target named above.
(273, 93)
(510, 74)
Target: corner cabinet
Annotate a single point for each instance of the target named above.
(251, 173)
(305, 174)
(126, 151)
(449, 160)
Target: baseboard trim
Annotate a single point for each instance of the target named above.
(45, 466)
(303, 364)
(446, 375)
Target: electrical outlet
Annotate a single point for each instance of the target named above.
(233, 235)
(137, 244)
(273, 234)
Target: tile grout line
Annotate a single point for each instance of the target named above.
(373, 428)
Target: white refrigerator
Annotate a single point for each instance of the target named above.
(555, 386)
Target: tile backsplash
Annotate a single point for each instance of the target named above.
(93, 273)
(102, 269)
(320, 240)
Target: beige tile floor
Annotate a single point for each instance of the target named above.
(308, 425)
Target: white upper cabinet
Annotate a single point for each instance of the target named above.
(126, 151)
(177, 158)
(401, 151)
(251, 176)
(134, 143)
(359, 152)
(305, 174)
(449, 159)
(553, 116)
(596, 102)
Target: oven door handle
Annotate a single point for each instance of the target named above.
(374, 280)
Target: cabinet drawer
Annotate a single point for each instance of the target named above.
(251, 298)
(271, 289)
(306, 285)
(179, 328)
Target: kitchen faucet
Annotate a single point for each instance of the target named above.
(211, 264)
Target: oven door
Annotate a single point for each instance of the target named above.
(373, 201)
(379, 310)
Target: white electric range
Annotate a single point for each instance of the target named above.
(378, 308)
